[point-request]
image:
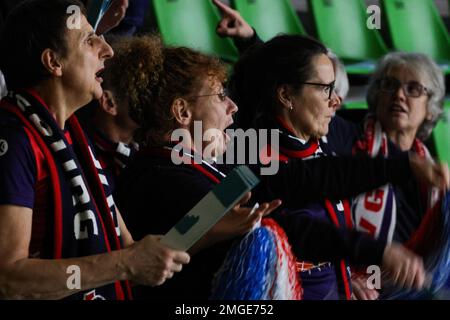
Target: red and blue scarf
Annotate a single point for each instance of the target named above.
(261, 265)
(291, 147)
(84, 214)
(430, 240)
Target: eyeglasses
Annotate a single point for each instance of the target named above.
(411, 89)
(328, 90)
(222, 95)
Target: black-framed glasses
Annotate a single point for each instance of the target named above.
(222, 95)
(411, 89)
(329, 88)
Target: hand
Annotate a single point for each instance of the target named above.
(360, 289)
(148, 262)
(403, 267)
(232, 24)
(431, 173)
(240, 220)
(113, 16)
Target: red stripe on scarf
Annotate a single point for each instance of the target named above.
(314, 145)
(93, 175)
(301, 154)
(58, 226)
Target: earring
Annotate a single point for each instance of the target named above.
(290, 106)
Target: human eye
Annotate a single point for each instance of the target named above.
(414, 87)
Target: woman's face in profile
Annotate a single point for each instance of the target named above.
(312, 107)
(214, 110)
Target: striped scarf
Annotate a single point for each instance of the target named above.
(84, 214)
(259, 266)
(339, 212)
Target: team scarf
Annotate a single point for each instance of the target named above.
(84, 214)
(291, 147)
(375, 211)
(113, 155)
(259, 266)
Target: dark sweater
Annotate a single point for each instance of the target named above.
(153, 194)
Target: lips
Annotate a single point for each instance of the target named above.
(98, 75)
(396, 108)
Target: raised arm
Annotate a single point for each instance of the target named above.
(301, 182)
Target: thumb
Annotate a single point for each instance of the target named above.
(245, 198)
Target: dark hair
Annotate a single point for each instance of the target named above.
(184, 72)
(30, 28)
(286, 59)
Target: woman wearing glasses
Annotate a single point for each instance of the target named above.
(405, 98)
(189, 89)
(287, 83)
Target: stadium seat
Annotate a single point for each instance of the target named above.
(192, 23)
(416, 26)
(342, 26)
(270, 17)
(441, 135)
(357, 104)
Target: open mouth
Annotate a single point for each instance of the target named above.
(395, 108)
(99, 74)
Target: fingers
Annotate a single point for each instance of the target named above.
(361, 291)
(272, 206)
(245, 198)
(419, 275)
(223, 7)
(181, 257)
(372, 294)
(405, 268)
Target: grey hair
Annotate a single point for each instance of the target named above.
(430, 74)
(342, 84)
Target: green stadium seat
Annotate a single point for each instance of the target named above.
(353, 105)
(270, 17)
(192, 23)
(416, 26)
(342, 26)
(441, 135)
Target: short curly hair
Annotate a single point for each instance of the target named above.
(430, 74)
(134, 71)
(183, 74)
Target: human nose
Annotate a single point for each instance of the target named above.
(400, 92)
(335, 100)
(232, 107)
(106, 52)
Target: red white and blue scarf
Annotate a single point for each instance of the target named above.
(84, 213)
(430, 240)
(261, 265)
(375, 211)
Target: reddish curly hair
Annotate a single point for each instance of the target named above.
(183, 74)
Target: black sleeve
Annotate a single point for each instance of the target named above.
(299, 182)
(244, 44)
(317, 241)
